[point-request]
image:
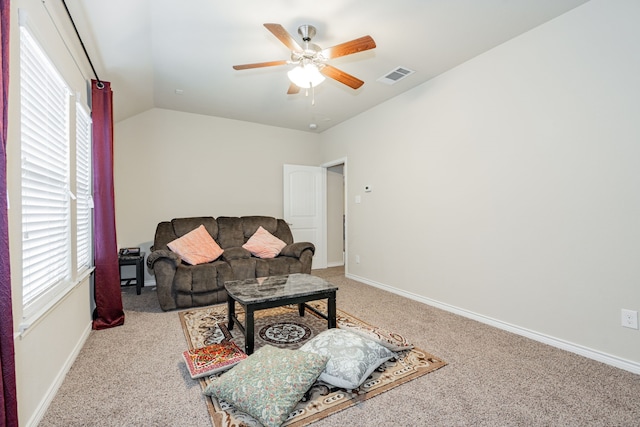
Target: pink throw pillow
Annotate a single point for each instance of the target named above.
(196, 247)
(264, 244)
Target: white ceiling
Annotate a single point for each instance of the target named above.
(148, 49)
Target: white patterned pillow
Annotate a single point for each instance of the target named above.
(352, 358)
(268, 384)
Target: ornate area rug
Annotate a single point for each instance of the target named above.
(283, 327)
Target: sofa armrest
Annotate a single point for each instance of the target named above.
(163, 254)
(297, 249)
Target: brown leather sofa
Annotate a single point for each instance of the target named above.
(180, 285)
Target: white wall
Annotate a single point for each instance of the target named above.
(45, 351)
(507, 188)
(170, 164)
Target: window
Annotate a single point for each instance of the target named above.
(84, 203)
(49, 251)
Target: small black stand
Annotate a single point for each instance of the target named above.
(138, 261)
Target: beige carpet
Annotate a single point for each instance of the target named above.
(133, 375)
(205, 326)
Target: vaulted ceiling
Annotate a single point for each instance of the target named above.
(178, 54)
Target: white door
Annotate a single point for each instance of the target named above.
(304, 207)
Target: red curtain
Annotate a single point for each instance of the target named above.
(108, 312)
(8, 397)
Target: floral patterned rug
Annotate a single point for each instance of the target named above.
(283, 327)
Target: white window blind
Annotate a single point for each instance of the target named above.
(46, 213)
(84, 202)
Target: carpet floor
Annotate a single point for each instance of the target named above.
(133, 375)
(284, 328)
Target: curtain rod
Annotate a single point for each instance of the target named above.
(99, 84)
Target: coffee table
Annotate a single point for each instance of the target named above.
(276, 291)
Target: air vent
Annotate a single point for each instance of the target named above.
(395, 75)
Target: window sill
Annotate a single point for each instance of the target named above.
(38, 314)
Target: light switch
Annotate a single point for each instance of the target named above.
(358, 199)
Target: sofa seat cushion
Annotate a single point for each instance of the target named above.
(199, 278)
(277, 266)
(244, 268)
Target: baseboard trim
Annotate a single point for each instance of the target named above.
(587, 352)
(55, 386)
(335, 264)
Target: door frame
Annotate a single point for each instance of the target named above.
(336, 162)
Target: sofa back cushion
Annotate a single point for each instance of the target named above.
(283, 232)
(250, 225)
(168, 231)
(182, 226)
(164, 235)
(229, 232)
(235, 231)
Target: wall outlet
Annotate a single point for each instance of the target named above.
(357, 259)
(630, 319)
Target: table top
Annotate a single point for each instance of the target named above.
(131, 257)
(273, 288)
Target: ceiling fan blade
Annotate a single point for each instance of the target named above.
(341, 76)
(293, 89)
(354, 46)
(259, 65)
(282, 35)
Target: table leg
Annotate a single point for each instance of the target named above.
(301, 309)
(139, 275)
(249, 333)
(231, 312)
(331, 311)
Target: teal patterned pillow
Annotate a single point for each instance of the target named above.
(268, 384)
(352, 358)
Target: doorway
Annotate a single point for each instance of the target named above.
(336, 219)
(316, 211)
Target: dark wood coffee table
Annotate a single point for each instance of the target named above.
(276, 291)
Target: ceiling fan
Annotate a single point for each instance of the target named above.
(311, 60)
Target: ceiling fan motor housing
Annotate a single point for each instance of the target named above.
(307, 32)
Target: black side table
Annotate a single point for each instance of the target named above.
(138, 261)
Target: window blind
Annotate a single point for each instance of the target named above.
(46, 213)
(84, 202)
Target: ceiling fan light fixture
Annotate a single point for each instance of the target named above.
(305, 76)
